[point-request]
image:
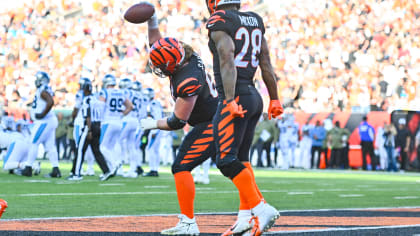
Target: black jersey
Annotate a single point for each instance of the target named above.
(191, 80)
(247, 30)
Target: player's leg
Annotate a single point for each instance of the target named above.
(131, 149)
(15, 156)
(81, 150)
(197, 146)
(90, 161)
(37, 131)
(48, 139)
(109, 135)
(153, 152)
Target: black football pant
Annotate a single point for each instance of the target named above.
(233, 136)
(316, 149)
(94, 144)
(196, 147)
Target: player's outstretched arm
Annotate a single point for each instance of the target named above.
(226, 48)
(153, 29)
(178, 119)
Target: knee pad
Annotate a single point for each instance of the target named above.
(231, 169)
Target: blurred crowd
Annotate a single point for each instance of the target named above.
(329, 55)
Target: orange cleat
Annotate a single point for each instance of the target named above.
(3, 206)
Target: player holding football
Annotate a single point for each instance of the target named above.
(237, 42)
(195, 104)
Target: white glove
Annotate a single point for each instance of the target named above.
(148, 124)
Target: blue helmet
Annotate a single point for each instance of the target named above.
(149, 93)
(41, 78)
(87, 84)
(125, 83)
(109, 80)
(82, 81)
(137, 86)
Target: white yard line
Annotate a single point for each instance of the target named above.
(300, 193)
(351, 195)
(405, 197)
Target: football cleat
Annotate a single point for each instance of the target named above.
(27, 171)
(152, 173)
(54, 174)
(130, 174)
(264, 218)
(139, 170)
(3, 206)
(75, 178)
(242, 224)
(106, 176)
(185, 226)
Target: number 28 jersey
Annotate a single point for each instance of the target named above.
(246, 30)
(114, 103)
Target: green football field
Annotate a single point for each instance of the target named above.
(40, 197)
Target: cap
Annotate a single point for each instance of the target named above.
(401, 121)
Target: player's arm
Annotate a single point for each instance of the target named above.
(275, 109)
(50, 102)
(153, 29)
(74, 113)
(226, 48)
(178, 119)
(128, 106)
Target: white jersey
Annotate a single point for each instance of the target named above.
(143, 109)
(39, 104)
(114, 103)
(137, 100)
(155, 109)
(78, 105)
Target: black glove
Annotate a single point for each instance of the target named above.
(39, 116)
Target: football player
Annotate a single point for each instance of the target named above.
(129, 126)
(195, 104)
(117, 105)
(141, 113)
(155, 111)
(17, 150)
(45, 123)
(238, 45)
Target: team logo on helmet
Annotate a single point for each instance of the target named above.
(212, 5)
(41, 78)
(166, 55)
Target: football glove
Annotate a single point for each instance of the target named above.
(235, 109)
(275, 109)
(148, 124)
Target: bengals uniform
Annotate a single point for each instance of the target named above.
(234, 136)
(198, 144)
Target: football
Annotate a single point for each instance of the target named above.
(139, 13)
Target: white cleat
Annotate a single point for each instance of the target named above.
(241, 225)
(264, 218)
(185, 226)
(75, 178)
(205, 180)
(37, 168)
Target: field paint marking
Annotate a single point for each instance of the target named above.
(351, 195)
(406, 197)
(157, 186)
(116, 184)
(36, 181)
(300, 193)
(211, 213)
(343, 229)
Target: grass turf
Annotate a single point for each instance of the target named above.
(40, 197)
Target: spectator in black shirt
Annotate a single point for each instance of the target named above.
(402, 142)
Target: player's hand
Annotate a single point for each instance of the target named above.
(235, 109)
(148, 124)
(39, 116)
(275, 109)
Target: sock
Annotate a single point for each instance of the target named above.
(243, 182)
(249, 167)
(185, 189)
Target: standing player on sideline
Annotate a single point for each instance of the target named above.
(91, 113)
(117, 105)
(141, 113)
(129, 127)
(152, 151)
(195, 104)
(78, 125)
(45, 123)
(237, 42)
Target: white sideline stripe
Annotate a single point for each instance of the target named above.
(36, 181)
(351, 195)
(116, 184)
(212, 213)
(157, 186)
(406, 197)
(300, 193)
(343, 229)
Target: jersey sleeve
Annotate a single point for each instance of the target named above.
(189, 87)
(78, 102)
(219, 21)
(47, 89)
